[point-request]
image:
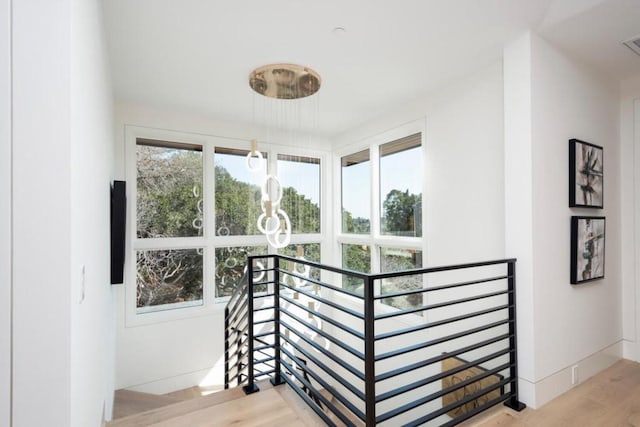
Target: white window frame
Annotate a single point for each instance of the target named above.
(209, 241)
(375, 240)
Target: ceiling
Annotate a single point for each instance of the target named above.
(195, 56)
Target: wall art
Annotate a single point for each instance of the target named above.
(587, 248)
(585, 175)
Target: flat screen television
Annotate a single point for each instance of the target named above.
(118, 226)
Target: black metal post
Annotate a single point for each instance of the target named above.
(251, 386)
(369, 353)
(513, 401)
(277, 378)
(226, 348)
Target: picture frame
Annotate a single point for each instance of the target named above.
(588, 235)
(586, 175)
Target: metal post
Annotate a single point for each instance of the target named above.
(513, 401)
(226, 348)
(251, 386)
(277, 378)
(369, 354)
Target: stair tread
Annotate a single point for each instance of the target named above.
(129, 402)
(179, 407)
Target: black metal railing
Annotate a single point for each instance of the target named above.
(429, 346)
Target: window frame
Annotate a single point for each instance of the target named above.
(375, 239)
(209, 240)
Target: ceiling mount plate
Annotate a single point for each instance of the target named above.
(284, 81)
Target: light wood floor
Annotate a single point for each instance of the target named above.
(610, 399)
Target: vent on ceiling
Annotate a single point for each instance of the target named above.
(633, 44)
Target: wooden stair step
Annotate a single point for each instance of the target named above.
(180, 407)
(129, 402)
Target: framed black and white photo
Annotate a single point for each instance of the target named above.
(585, 175)
(587, 248)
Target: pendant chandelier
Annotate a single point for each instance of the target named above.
(283, 83)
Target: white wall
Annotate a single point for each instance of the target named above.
(464, 171)
(5, 214)
(41, 203)
(91, 156)
(572, 323)
(62, 140)
(630, 206)
(191, 349)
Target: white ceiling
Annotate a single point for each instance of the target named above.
(196, 55)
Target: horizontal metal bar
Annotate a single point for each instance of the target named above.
(321, 397)
(261, 295)
(417, 384)
(263, 308)
(446, 338)
(440, 305)
(442, 287)
(324, 267)
(327, 319)
(440, 358)
(323, 334)
(263, 347)
(424, 400)
(330, 303)
(321, 283)
(258, 337)
(264, 373)
(439, 322)
(235, 377)
(322, 350)
(310, 403)
(415, 271)
(260, 322)
(263, 361)
(474, 396)
(325, 368)
(238, 366)
(232, 306)
(241, 311)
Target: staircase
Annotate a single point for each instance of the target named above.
(271, 407)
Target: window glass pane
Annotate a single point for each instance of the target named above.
(231, 263)
(401, 187)
(238, 192)
(356, 258)
(169, 278)
(300, 179)
(308, 251)
(169, 186)
(356, 193)
(392, 259)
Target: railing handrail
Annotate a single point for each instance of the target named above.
(371, 297)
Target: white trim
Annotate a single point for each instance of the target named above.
(636, 223)
(546, 389)
(6, 220)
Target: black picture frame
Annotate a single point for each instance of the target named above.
(588, 236)
(586, 175)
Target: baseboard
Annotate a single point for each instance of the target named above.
(547, 389)
(629, 350)
(205, 377)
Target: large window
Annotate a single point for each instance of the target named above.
(356, 193)
(168, 205)
(194, 204)
(401, 187)
(381, 214)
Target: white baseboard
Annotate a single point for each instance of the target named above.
(537, 394)
(211, 377)
(629, 350)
